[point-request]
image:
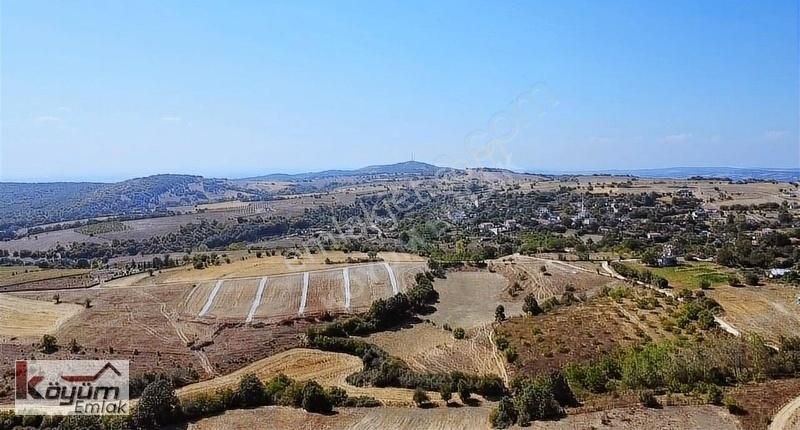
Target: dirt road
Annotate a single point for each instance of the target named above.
(788, 418)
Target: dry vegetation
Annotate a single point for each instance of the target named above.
(22, 318)
(428, 348)
(468, 299)
(581, 332)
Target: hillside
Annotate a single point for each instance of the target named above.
(23, 205)
(398, 169)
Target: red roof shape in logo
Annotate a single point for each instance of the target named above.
(91, 378)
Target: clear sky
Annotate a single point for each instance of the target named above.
(105, 90)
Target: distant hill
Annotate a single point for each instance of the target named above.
(397, 169)
(24, 204)
(734, 173)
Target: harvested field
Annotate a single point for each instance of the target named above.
(196, 298)
(244, 265)
(326, 292)
(27, 318)
(49, 240)
(281, 298)
(367, 284)
(427, 348)
(770, 311)
(578, 333)
(405, 273)
(234, 299)
(468, 299)
(550, 278)
(327, 368)
(442, 418)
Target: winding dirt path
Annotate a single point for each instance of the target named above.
(789, 415)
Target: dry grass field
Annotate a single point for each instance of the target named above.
(579, 332)
(281, 298)
(427, 348)
(326, 292)
(327, 368)
(253, 267)
(12, 275)
(233, 299)
(367, 284)
(770, 311)
(22, 318)
(469, 299)
(547, 278)
(470, 418)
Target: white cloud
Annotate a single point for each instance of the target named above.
(676, 138)
(774, 134)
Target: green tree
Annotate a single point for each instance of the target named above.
(499, 313)
(504, 415)
(421, 397)
(446, 391)
(463, 391)
(314, 399)
(48, 344)
(459, 333)
(252, 391)
(157, 406)
(531, 306)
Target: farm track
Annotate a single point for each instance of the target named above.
(788, 415)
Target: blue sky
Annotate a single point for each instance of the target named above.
(111, 90)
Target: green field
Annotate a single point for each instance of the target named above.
(10, 275)
(689, 275)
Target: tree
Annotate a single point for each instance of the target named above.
(734, 281)
(48, 345)
(421, 397)
(504, 415)
(463, 391)
(57, 298)
(499, 313)
(251, 391)
(314, 399)
(705, 284)
(157, 406)
(459, 333)
(531, 306)
(446, 391)
(751, 279)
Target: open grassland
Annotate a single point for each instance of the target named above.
(427, 348)
(12, 275)
(770, 311)
(327, 368)
(580, 332)
(469, 299)
(30, 319)
(470, 418)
